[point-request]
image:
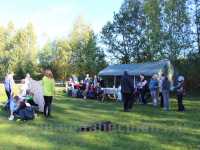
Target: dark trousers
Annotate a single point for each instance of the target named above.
(128, 101)
(7, 106)
(47, 105)
(180, 102)
(142, 95)
(8, 94)
(161, 100)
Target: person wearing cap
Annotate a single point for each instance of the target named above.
(180, 92)
(127, 90)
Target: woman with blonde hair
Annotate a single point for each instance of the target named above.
(48, 85)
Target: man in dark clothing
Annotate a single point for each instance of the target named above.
(180, 92)
(127, 89)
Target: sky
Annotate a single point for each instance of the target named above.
(54, 18)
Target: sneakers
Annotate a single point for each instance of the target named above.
(11, 118)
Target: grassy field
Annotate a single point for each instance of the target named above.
(145, 128)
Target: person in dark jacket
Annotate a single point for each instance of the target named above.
(127, 89)
(160, 90)
(165, 92)
(180, 92)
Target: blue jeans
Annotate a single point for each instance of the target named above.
(165, 99)
(154, 95)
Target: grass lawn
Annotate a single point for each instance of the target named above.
(151, 128)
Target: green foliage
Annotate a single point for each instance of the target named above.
(124, 37)
(55, 56)
(86, 55)
(153, 41)
(79, 54)
(149, 30)
(176, 29)
(189, 68)
(18, 50)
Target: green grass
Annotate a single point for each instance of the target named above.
(152, 128)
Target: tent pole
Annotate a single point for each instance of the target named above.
(114, 81)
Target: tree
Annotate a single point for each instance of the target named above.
(86, 56)
(6, 46)
(124, 37)
(176, 28)
(153, 33)
(197, 23)
(25, 51)
(55, 56)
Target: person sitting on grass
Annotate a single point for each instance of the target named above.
(91, 92)
(98, 92)
(14, 105)
(75, 91)
(20, 109)
(69, 86)
(85, 92)
(82, 88)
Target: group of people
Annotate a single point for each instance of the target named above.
(33, 96)
(158, 87)
(89, 88)
(37, 96)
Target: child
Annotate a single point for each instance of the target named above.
(14, 105)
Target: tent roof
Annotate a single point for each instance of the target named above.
(148, 69)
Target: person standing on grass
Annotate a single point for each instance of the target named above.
(142, 89)
(180, 92)
(48, 85)
(160, 90)
(9, 86)
(153, 87)
(165, 93)
(127, 89)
